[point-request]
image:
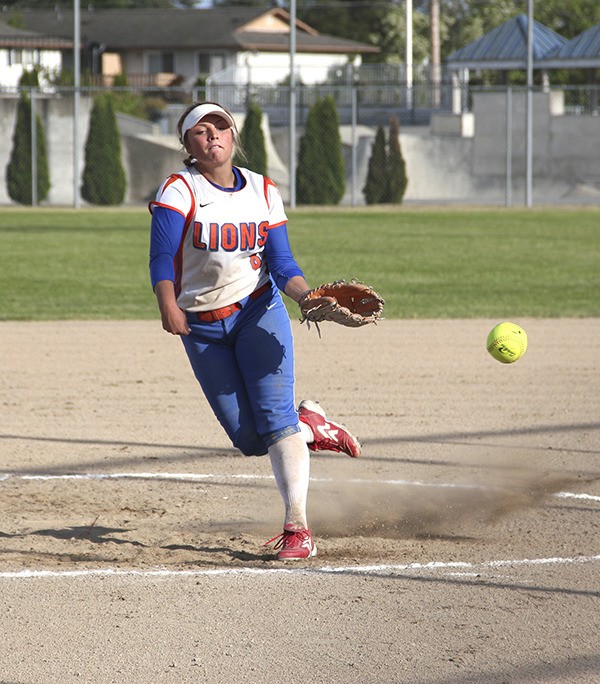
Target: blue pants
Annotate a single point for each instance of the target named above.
(245, 366)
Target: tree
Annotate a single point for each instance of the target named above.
(244, 3)
(100, 4)
(104, 181)
(253, 142)
(321, 175)
(386, 175)
(396, 167)
(375, 185)
(382, 24)
(463, 21)
(19, 171)
(330, 133)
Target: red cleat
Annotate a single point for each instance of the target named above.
(329, 436)
(294, 543)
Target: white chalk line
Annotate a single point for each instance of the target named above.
(466, 568)
(456, 567)
(216, 478)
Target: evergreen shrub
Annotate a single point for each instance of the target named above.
(104, 181)
(321, 173)
(19, 170)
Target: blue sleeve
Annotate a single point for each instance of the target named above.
(165, 237)
(278, 254)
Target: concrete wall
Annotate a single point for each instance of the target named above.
(449, 161)
(56, 114)
(148, 155)
(566, 164)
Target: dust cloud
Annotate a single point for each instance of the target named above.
(398, 511)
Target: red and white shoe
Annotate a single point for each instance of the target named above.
(294, 543)
(328, 436)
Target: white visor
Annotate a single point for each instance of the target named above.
(201, 111)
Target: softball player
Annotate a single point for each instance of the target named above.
(219, 255)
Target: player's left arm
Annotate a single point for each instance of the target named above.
(283, 267)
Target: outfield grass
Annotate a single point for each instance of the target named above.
(426, 262)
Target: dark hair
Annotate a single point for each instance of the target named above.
(237, 144)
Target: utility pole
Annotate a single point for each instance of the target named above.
(435, 53)
(76, 100)
(409, 54)
(292, 120)
(529, 111)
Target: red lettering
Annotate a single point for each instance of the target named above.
(263, 231)
(229, 237)
(247, 236)
(213, 240)
(197, 237)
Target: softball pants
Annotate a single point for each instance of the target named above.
(245, 366)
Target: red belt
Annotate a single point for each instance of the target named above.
(226, 311)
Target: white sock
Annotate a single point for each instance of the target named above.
(306, 432)
(290, 460)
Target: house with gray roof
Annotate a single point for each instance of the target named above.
(177, 46)
(22, 50)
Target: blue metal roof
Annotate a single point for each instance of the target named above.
(580, 52)
(505, 47)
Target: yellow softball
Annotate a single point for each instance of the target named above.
(507, 342)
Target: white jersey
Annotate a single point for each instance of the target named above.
(219, 260)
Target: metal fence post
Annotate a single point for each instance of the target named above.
(76, 101)
(509, 147)
(292, 141)
(354, 150)
(529, 111)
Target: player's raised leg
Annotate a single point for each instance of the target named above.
(323, 434)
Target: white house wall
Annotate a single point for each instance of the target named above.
(274, 67)
(49, 61)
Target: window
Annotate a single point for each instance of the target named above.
(31, 58)
(15, 57)
(159, 62)
(210, 63)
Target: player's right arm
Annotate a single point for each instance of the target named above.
(165, 237)
(173, 318)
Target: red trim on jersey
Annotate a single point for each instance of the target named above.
(165, 206)
(276, 225)
(266, 183)
(189, 219)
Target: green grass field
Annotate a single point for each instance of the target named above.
(426, 262)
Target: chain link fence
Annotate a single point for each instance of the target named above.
(460, 144)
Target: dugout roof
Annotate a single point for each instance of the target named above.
(505, 47)
(582, 52)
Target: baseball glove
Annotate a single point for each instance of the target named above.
(348, 303)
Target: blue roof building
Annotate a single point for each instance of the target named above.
(582, 52)
(505, 47)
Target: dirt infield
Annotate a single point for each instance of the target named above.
(464, 546)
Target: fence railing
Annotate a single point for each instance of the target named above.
(461, 144)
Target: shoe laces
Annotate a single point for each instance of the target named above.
(281, 540)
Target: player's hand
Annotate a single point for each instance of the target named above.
(174, 321)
